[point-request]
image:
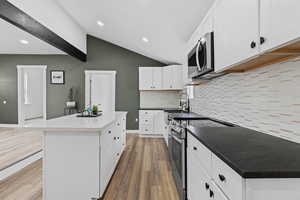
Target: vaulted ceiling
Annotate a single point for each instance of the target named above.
(12, 37)
(167, 24)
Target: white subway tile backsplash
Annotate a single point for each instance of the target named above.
(267, 100)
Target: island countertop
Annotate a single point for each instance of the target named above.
(74, 123)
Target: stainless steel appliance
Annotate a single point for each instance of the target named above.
(177, 152)
(177, 148)
(201, 57)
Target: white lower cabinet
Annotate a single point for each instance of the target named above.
(198, 185)
(221, 182)
(112, 144)
(151, 122)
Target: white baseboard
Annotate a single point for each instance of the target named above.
(132, 131)
(151, 136)
(9, 125)
(5, 173)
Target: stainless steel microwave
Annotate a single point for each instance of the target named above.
(201, 57)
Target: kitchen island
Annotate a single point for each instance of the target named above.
(80, 154)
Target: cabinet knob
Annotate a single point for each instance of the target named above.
(253, 45)
(211, 193)
(118, 138)
(118, 124)
(222, 177)
(115, 138)
(195, 148)
(262, 40)
(206, 186)
(109, 132)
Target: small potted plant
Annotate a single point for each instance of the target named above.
(71, 103)
(95, 110)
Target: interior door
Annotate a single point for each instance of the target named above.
(101, 91)
(236, 32)
(145, 78)
(279, 22)
(33, 82)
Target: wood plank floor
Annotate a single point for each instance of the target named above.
(16, 144)
(143, 173)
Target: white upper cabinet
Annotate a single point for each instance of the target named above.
(157, 78)
(236, 32)
(150, 78)
(279, 22)
(161, 78)
(173, 77)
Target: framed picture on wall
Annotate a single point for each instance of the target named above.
(57, 77)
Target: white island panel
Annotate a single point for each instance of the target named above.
(71, 165)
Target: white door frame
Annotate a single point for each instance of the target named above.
(20, 89)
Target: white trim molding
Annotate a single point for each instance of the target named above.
(5, 173)
(132, 131)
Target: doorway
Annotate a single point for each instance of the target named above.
(32, 86)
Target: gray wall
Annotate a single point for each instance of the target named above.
(101, 56)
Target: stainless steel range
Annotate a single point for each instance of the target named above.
(177, 152)
(177, 148)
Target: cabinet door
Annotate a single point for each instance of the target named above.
(279, 22)
(216, 193)
(177, 78)
(236, 30)
(145, 78)
(158, 122)
(198, 183)
(167, 78)
(157, 78)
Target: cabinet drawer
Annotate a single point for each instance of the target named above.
(146, 129)
(146, 113)
(199, 151)
(228, 180)
(146, 121)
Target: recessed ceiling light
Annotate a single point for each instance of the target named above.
(24, 41)
(100, 23)
(145, 39)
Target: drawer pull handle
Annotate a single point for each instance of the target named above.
(118, 138)
(222, 177)
(206, 186)
(211, 194)
(195, 148)
(115, 138)
(109, 132)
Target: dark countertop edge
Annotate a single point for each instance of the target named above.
(249, 175)
(159, 109)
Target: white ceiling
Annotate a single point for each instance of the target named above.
(167, 24)
(10, 42)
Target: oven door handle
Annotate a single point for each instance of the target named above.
(177, 139)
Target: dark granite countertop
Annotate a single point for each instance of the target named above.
(186, 116)
(164, 109)
(251, 154)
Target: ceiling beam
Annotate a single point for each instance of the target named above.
(17, 17)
